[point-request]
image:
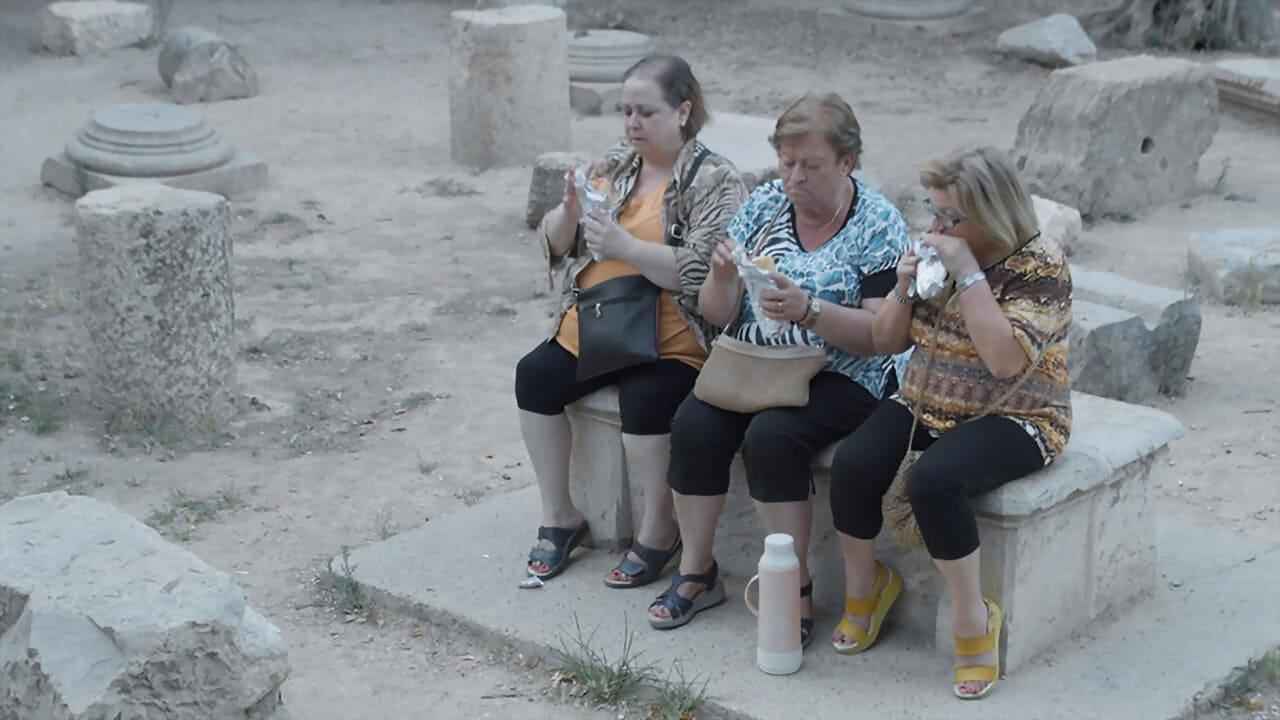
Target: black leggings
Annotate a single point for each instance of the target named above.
(648, 395)
(777, 444)
(971, 459)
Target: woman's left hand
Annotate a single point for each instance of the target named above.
(605, 237)
(954, 253)
(788, 303)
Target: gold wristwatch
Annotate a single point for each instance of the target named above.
(811, 313)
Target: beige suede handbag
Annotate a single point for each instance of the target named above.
(744, 377)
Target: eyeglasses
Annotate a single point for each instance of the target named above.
(947, 219)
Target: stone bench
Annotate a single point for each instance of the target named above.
(1059, 547)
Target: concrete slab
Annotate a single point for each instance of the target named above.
(465, 568)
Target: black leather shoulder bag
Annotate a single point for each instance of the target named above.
(618, 319)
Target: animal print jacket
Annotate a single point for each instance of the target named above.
(706, 207)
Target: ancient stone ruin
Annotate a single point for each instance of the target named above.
(199, 66)
(102, 619)
(546, 189)
(508, 101)
(1055, 41)
(152, 142)
(1111, 137)
(88, 26)
(1238, 266)
(597, 61)
(155, 274)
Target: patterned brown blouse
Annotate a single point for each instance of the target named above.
(1033, 288)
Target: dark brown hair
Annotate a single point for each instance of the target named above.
(675, 78)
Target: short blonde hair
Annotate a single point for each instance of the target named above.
(828, 114)
(987, 190)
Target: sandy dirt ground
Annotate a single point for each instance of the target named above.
(384, 294)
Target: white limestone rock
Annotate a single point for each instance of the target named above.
(1055, 41)
(1058, 223)
(1130, 340)
(212, 72)
(1111, 137)
(88, 26)
(100, 617)
(1238, 266)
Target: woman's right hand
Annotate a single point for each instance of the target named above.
(723, 268)
(572, 208)
(907, 271)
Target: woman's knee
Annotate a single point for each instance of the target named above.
(930, 483)
(534, 376)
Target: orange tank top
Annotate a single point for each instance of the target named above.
(642, 217)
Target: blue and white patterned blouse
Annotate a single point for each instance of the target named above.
(872, 240)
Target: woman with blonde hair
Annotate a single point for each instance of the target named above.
(985, 396)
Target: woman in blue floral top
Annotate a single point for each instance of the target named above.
(836, 244)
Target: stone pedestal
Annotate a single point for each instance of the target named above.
(508, 85)
(78, 28)
(598, 475)
(155, 275)
(908, 9)
(1114, 136)
(152, 142)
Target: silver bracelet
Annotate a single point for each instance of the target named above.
(903, 300)
(969, 281)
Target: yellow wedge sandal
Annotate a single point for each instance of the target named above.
(884, 592)
(989, 643)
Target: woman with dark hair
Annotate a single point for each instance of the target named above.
(671, 200)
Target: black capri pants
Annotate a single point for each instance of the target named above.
(973, 458)
(778, 444)
(648, 395)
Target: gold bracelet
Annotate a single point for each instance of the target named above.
(902, 300)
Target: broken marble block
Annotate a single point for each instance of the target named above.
(199, 66)
(1238, 266)
(546, 189)
(1055, 41)
(101, 618)
(1111, 137)
(1130, 341)
(87, 26)
(1058, 223)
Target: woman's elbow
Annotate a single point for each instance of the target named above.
(1008, 370)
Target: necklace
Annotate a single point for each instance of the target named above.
(840, 210)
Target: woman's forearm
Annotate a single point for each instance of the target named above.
(654, 261)
(846, 328)
(891, 329)
(991, 332)
(561, 231)
(718, 300)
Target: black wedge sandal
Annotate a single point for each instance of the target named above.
(655, 561)
(557, 558)
(806, 624)
(682, 609)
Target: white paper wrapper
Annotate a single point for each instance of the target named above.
(931, 274)
(591, 200)
(757, 280)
